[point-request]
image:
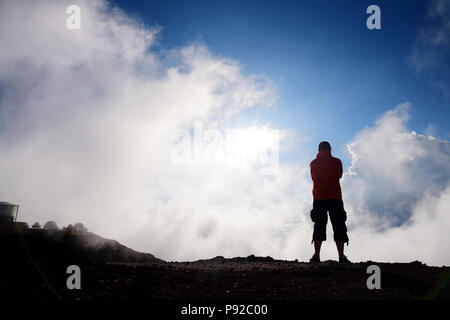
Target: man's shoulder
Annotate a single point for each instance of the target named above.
(337, 163)
(325, 160)
(336, 159)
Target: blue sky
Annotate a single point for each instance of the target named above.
(333, 75)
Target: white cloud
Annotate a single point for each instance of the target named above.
(87, 121)
(397, 190)
(87, 118)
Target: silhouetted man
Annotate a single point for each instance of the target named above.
(326, 171)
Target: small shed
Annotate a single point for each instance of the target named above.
(8, 212)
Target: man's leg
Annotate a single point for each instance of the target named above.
(338, 216)
(320, 218)
(317, 245)
(340, 248)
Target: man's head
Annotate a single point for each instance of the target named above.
(324, 145)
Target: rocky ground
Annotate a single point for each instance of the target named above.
(33, 266)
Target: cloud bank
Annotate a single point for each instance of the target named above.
(87, 122)
(397, 190)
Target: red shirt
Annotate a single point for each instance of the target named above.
(326, 171)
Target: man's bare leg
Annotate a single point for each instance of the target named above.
(317, 245)
(340, 248)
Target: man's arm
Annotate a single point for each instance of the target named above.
(340, 168)
(311, 170)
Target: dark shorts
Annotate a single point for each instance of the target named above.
(338, 216)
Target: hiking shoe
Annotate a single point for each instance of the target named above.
(343, 259)
(314, 259)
